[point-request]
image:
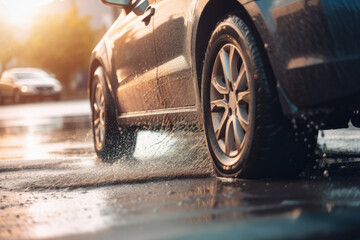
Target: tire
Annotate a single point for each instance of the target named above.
(246, 132)
(17, 98)
(110, 143)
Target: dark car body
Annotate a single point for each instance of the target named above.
(154, 64)
(21, 83)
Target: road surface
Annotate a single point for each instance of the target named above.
(53, 186)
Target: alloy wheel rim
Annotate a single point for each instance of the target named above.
(99, 116)
(230, 101)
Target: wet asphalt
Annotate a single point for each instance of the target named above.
(53, 186)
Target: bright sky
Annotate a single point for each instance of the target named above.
(21, 12)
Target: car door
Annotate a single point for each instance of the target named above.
(134, 61)
(172, 31)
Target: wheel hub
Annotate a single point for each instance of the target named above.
(233, 101)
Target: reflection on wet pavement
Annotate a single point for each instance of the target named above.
(52, 185)
(204, 207)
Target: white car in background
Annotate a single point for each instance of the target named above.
(19, 84)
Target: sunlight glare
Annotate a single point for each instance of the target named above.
(21, 12)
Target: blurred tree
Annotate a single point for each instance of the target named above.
(60, 44)
(8, 45)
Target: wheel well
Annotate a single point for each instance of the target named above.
(213, 12)
(94, 64)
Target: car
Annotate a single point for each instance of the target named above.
(19, 84)
(262, 77)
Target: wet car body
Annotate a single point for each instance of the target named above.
(154, 68)
(28, 83)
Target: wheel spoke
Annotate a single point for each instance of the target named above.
(229, 136)
(102, 117)
(97, 96)
(244, 97)
(233, 60)
(224, 58)
(96, 122)
(219, 132)
(238, 133)
(96, 108)
(241, 81)
(242, 117)
(217, 105)
(102, 100)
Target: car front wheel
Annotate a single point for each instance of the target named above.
(247, 134)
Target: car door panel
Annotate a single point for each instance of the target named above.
(134, 61)
(172, 30)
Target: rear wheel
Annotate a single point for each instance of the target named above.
(246, 133)
(110, 142)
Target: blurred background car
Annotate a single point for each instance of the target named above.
(20, 84)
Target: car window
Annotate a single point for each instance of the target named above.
(30, 75)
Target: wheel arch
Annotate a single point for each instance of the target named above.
(211, 12)
(95, 62)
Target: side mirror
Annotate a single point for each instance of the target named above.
(140, 7)
(117, 3)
